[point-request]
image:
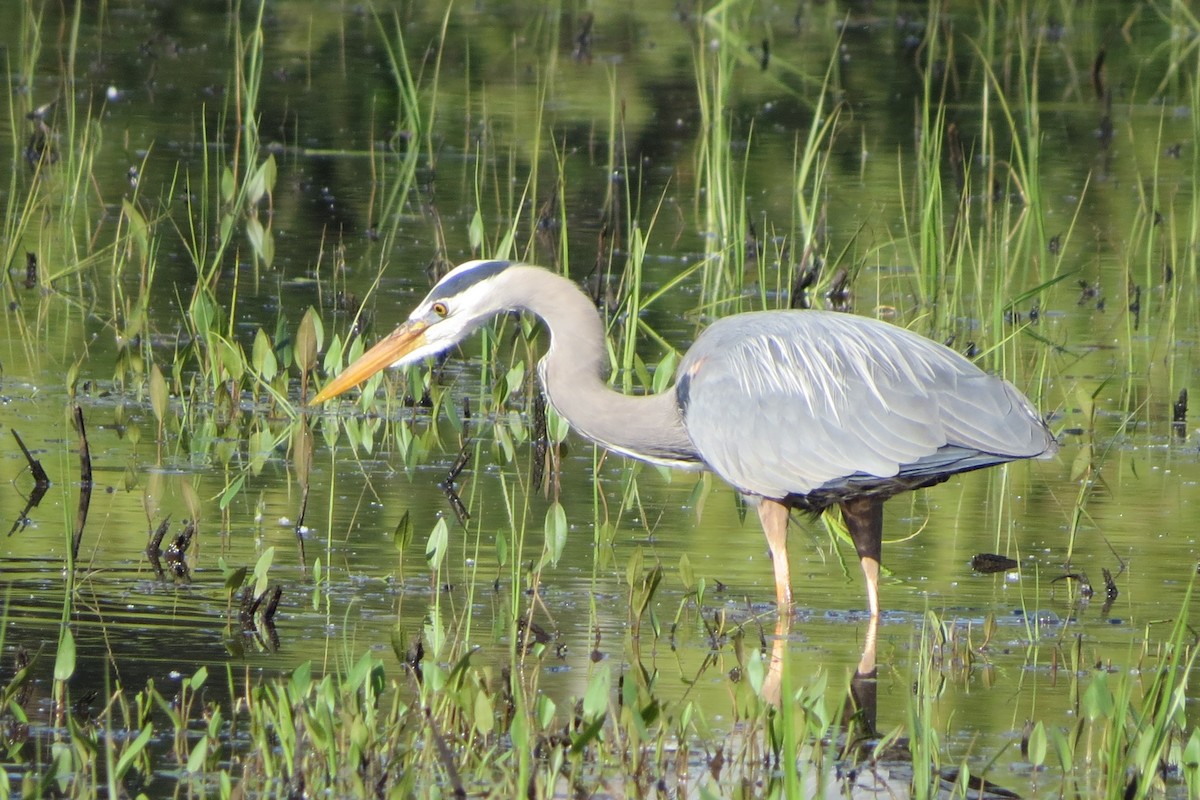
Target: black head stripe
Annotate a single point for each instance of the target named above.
(458, 283)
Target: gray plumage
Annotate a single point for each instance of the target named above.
(794, 403)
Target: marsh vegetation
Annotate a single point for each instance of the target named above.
(433, 587)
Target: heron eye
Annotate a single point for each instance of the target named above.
(440, 309)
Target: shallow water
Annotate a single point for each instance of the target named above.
(1107, 376)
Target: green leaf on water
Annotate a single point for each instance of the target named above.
(307, 343)
(228, 185)
(261, 568)
(64, 661)
(231, 491)
(333, 355)
(687, 575)
(1037, 745)
(403, 535)
(475, 232)
(234, 578)
(589, 734)
(263, 356)
(159, 394)
(595, 699)
(501, 548)
(756, 671)
(261, 181)
(664, 373)
(1062, 747)
(439, 542)
(515, 378)
(198, 756)
(139, 231)
(1098, 700)
(134, 750)
(485, 717)
(544, 709)
(203, 314)
(556, 532)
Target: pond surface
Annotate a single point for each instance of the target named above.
(586, 141)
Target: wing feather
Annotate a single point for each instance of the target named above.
(781, 403)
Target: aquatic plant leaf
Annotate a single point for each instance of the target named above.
(261, 568)
(263, 356)
(403, 534)
(191, 499)
(198, 756)
(139, 230)
(231, 491)
(1098, 699)
(134, 750)
(159, 394)
(556, 532)
(589, 734)
(595, 699)
(475, 232)
(234, 578)
(262, 241)
(687, 575)
(664, 373)
(515, 379)
(755, 671)
(485, 716)
(501, 548)
(1037, 745)
(439, 542)
(261, 181)
(307, 342)
(64, 660)
(333, 355)
(1062, 748)
(228, 185)
(203, 314)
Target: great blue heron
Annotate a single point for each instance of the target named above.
(795, 409)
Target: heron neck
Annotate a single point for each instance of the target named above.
(646, 427)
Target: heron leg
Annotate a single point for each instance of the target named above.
(864, 519)
(774, 518)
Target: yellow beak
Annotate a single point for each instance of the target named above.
(395, 346)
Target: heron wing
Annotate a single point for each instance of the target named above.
(781, 403)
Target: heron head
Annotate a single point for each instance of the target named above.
(458, 304)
